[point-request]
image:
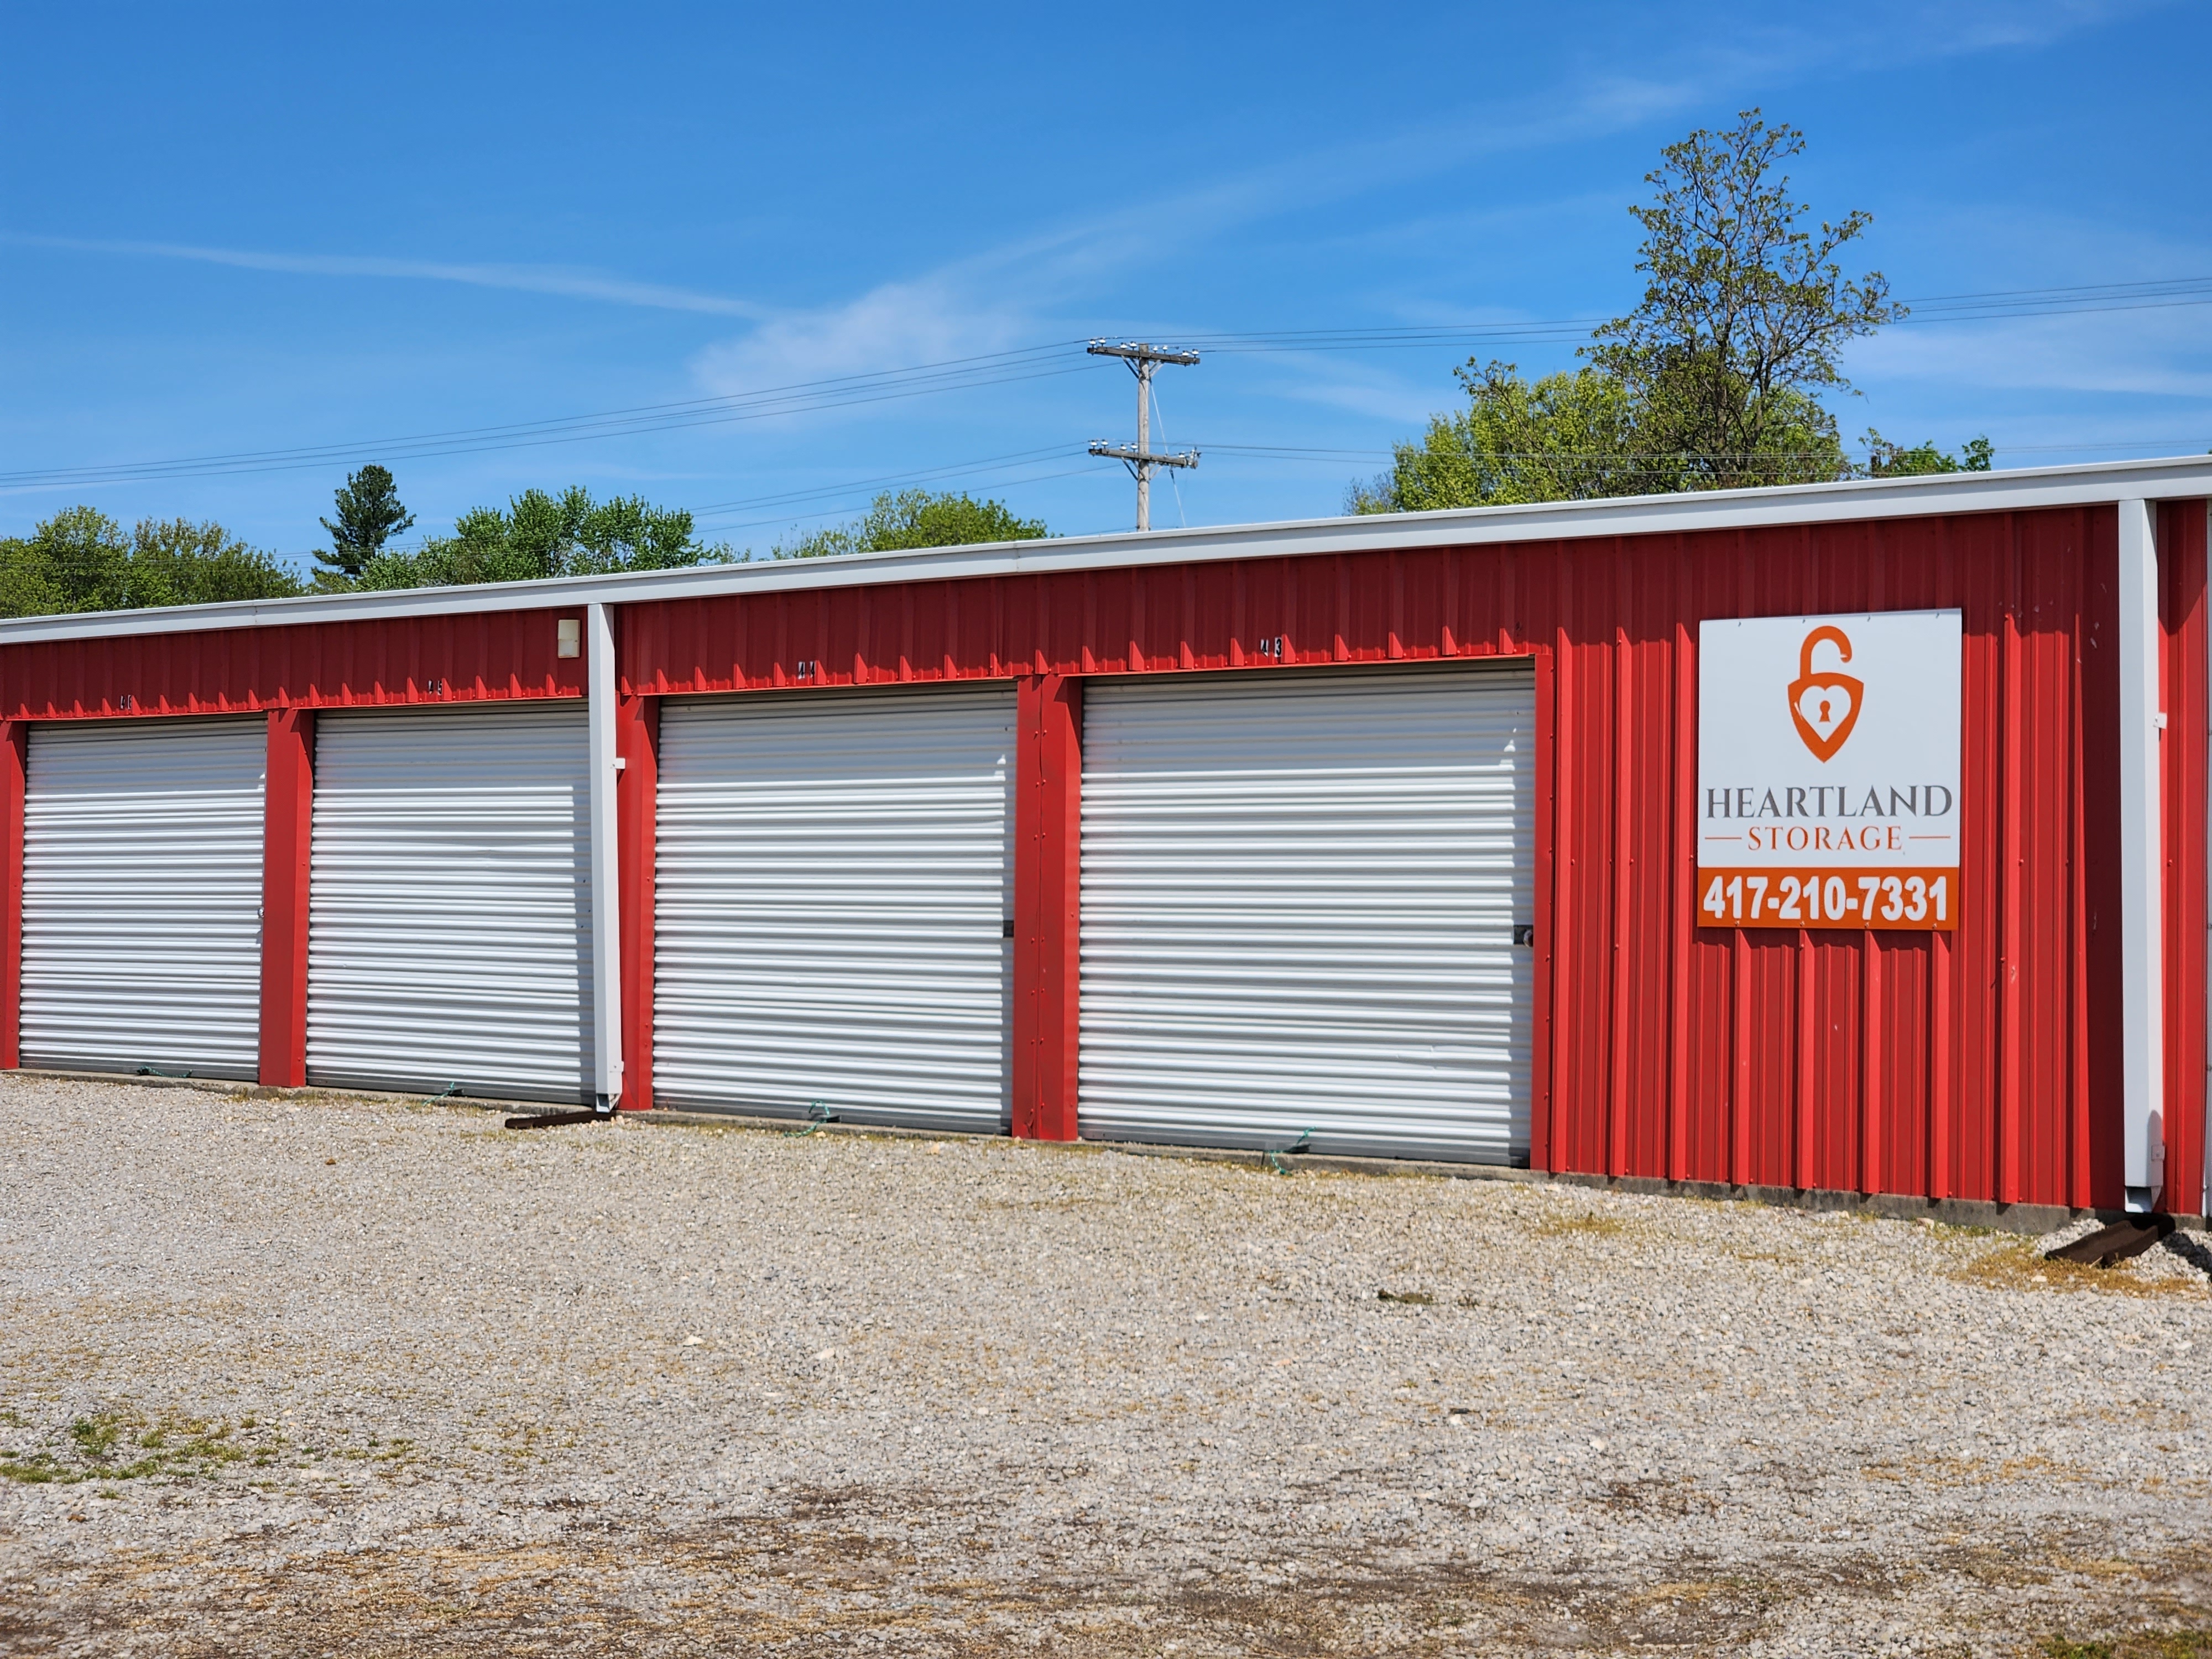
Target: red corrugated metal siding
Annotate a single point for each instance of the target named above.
(2181, 557)
(1979, 1067)
(1825, 1051)
(480, 655)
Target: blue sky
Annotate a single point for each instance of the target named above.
(234, 230)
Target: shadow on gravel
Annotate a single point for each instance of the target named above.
(838, 1572)
(827, 1596)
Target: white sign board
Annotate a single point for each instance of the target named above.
(1828, 771)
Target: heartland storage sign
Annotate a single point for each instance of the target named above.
(1828, 771)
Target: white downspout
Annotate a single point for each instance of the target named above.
(2143, 1026)
(606, 936)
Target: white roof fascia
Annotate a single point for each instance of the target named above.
(2012, 490)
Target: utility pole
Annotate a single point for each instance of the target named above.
(1137, 457)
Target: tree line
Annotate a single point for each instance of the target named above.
(82, 560)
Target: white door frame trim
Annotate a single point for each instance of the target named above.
(606, 937)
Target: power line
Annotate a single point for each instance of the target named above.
(1001, 470)
(833, 512)
(955, 470)
(1031, 362)
(1994, 306)
(998, 369)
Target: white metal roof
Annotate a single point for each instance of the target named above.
(2172, 478)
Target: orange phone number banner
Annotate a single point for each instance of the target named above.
(1901, 901)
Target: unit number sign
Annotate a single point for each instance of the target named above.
(1828, 771)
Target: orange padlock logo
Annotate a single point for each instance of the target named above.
(1825, 706)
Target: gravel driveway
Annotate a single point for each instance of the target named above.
(346, 1377)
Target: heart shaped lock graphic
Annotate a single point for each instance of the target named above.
(1826, 706)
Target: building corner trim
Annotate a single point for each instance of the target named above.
(2142, 858)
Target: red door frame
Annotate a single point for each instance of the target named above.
(287, 828)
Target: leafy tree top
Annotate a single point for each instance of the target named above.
(538, 535)
(917, 518)
(81, 560)
(1887, 461)
(1745, 311)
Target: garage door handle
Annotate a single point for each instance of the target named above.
(1525, 934)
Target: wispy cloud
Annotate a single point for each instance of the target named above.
(1014, 292)
(2163, 354)
(932, 320)
(1888, 35)
(562, 281)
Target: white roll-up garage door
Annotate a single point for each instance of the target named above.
(141, 896)
(449, 905)
(1300, 897)
(832, 884)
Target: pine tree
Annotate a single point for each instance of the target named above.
(369, 514)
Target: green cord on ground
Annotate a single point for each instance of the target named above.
(818, 1114)
(1275, 1158)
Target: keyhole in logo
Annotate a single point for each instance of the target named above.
(1825, 715)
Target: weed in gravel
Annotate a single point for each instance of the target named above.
(1597, 1226)
(2017, 1265)
(129, 1445)
(2147, 1644)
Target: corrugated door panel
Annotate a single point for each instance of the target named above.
(141, 896)
(832, 876)
(449, 904)
(1299, 893)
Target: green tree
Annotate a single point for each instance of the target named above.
(81, 560)
(370, 513)
(917, 518)
(1715, 380)
(1565, 437)
(78, 560)
(176, 561)
(1887, 461)
(26, 585)
(538, 535)
(1744, 313)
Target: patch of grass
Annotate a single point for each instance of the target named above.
(1596, 1226)
(2145, 1644)
(126, 1445)
(2015, 1265)
(1774, 1258)
(1409, 1298)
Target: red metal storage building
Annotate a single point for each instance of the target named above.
(1135, 834)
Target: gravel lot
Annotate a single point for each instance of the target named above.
(346, 1376)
